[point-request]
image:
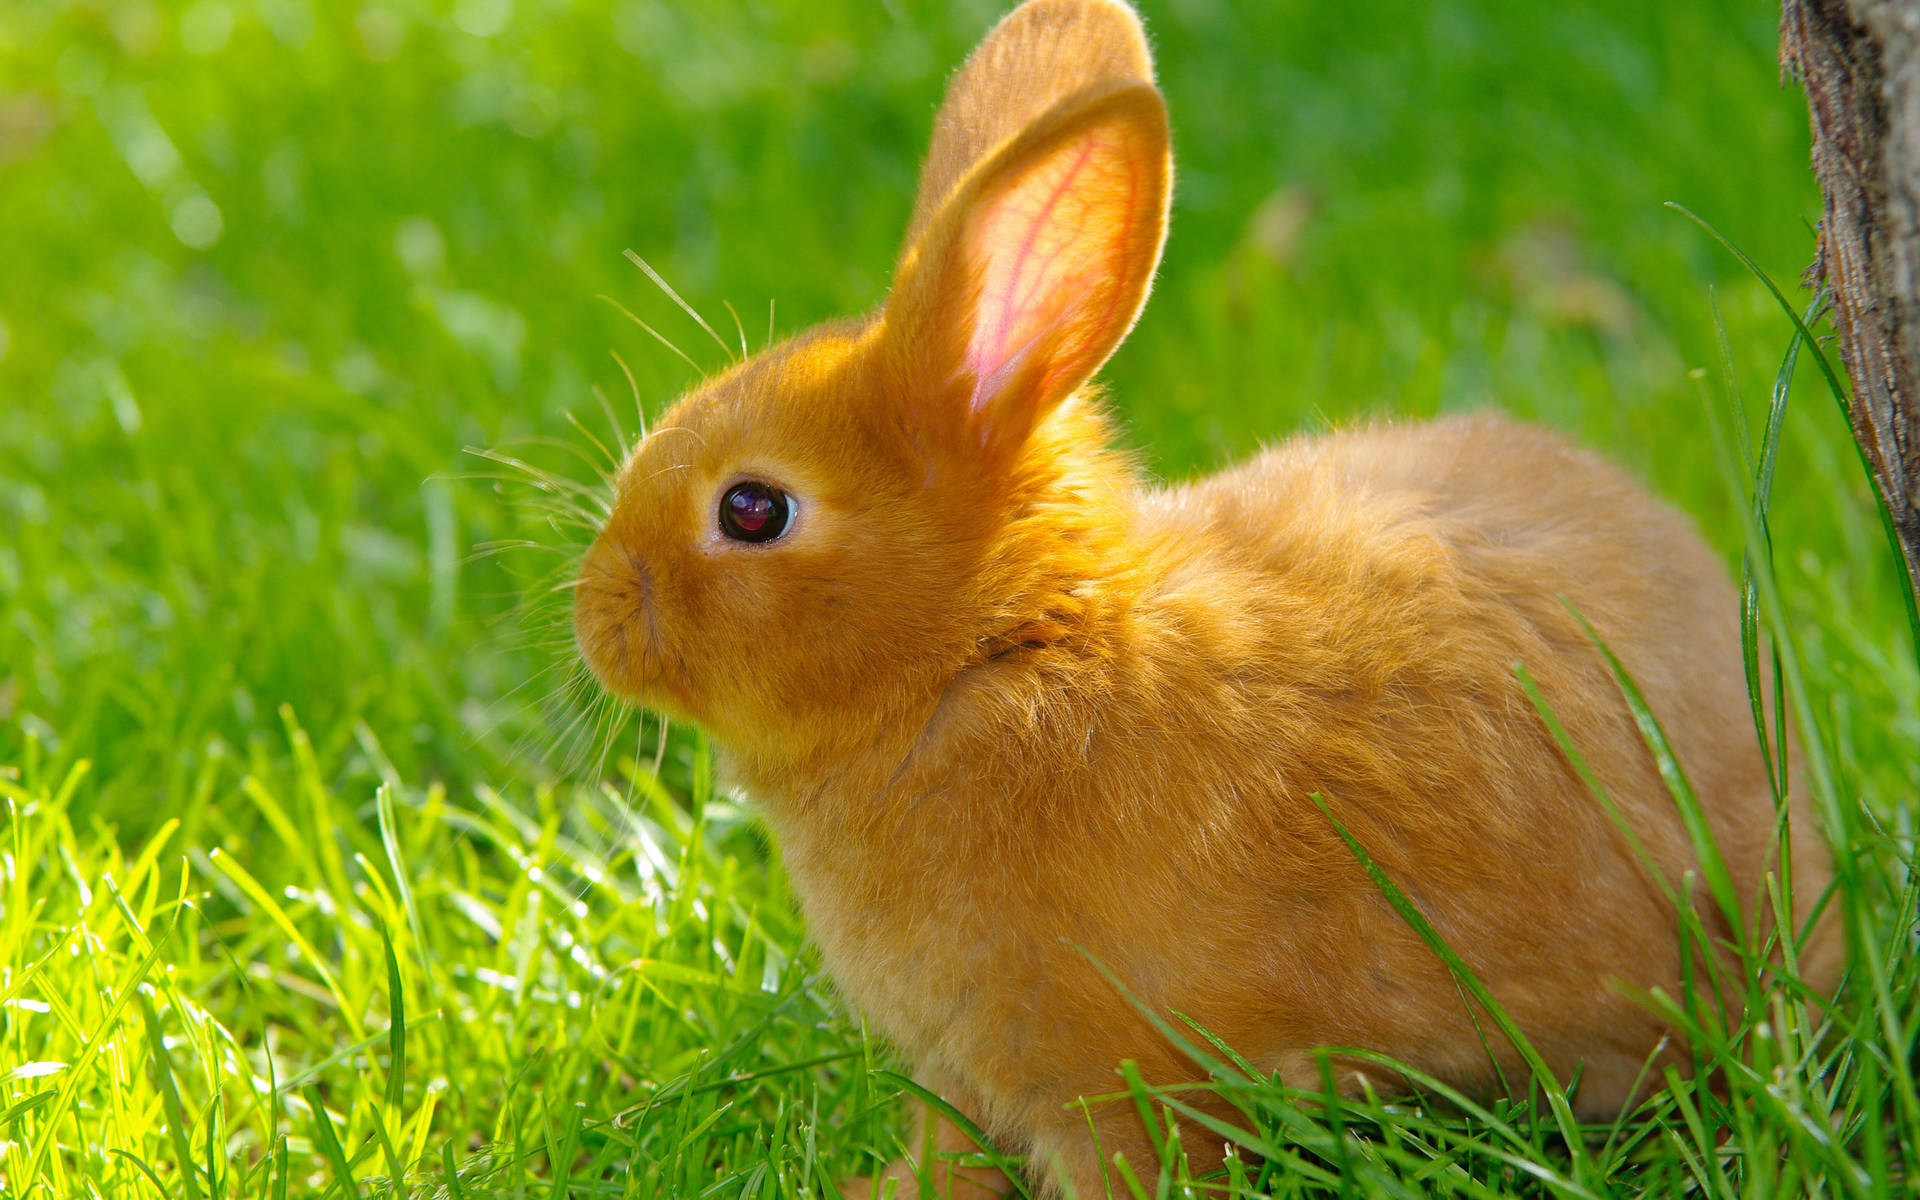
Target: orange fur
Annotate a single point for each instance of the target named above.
(1001, 700)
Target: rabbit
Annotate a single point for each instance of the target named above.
(1016, 716)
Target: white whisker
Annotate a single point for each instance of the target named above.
(667, 468)
(684, 306)
(546, 481)
(738, 328)
(613, 464)
(657, 335)
(689, 430)
(639, 409)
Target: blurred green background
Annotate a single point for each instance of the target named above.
(268, 268)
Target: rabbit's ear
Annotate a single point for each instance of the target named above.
(1033, 269)
(1038, 55)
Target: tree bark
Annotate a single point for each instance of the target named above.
(1859, 61)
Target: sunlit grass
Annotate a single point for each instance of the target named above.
(582, 972)
(322, 870)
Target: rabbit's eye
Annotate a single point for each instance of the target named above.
(755, 512)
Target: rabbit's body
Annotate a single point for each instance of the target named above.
(1348, 628)
(1009, 710)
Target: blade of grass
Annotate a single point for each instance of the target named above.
(1705, 845)
(124, 991)
(244, 880)
(1599, 790)
(1840, 398)
(452, 1177)
(329, 1142)
(1012, 1167)
(1549, 1085)
(177, 1124)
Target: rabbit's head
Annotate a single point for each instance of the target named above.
(823, 535)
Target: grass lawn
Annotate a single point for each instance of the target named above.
(321, 874)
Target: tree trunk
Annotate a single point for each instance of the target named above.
(1860, 63)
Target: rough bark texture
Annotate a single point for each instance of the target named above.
(1860, 63)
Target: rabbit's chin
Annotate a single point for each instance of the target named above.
(629, 666)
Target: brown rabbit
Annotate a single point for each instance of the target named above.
(1006, 705)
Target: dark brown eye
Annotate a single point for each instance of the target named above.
(755, 512)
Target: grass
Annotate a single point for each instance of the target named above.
(317, 878)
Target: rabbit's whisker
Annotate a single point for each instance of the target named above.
(657, 335)
(689, 430)
(613, 464)
(639, 409)
(738, 328)
(674, 296)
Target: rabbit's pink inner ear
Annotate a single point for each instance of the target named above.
(1061, 256)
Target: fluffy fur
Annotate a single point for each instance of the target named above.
(1001, 700)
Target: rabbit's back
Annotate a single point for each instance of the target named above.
(1371, 592)
(1439, 555)
(1442, 554)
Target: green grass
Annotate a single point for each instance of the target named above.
(317, 874)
